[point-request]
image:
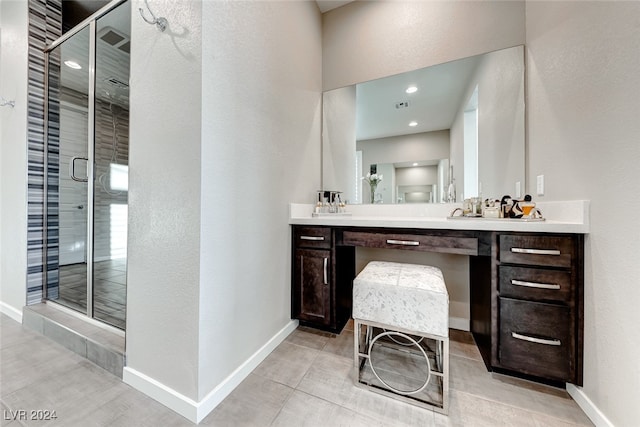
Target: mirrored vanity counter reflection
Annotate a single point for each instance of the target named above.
(560, 217)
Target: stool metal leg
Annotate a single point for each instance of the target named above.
(364, 340)
(356, 343)
(445, 376)
(412, 341)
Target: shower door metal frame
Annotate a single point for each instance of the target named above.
(91, 23)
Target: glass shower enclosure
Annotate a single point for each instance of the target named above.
(86, 164)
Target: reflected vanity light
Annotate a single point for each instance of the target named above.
(413, 124)
(411, 89)
(415, 164)
(72, 64)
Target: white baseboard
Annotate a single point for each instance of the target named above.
(590, 409)
(197, 411)
(10, 311)
(459, 315)
(170, 398)
(459, 323)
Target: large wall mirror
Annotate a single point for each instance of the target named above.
(454, 126)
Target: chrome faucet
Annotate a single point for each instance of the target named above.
(453, 212)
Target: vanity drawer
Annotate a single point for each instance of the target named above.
(553, 251)
(312, 237)
(416, 242)
(535, 283)
(535, 339)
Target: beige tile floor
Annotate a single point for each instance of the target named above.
(306, 381)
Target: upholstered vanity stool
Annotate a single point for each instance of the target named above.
(401, 333)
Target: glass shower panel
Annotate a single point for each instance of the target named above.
(111, 166)
(68, 196)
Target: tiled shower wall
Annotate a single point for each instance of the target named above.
(110, 204)
(45, 23)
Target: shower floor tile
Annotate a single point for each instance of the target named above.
(109, 290)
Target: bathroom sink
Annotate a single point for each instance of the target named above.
(328, 214)
(497, 219)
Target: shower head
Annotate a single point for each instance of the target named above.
(116, 83)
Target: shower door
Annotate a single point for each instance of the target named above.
(87, 166)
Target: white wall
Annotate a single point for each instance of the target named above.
(501, 123)
(339, 142)
(224, 133)
(163, 282)
(13, 157)
(420, 175)
(368, 40)
(404, 148)
(500, 80)
(583, 106)
(260, 151)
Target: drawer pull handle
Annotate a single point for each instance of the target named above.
(314, 238)
(536, 251)
(534, 340)
(403, 242)
(326, 278)
(535, 285)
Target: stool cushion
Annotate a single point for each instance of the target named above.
(408, 296)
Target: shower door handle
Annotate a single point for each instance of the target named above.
(72, 169)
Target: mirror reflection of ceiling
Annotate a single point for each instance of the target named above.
(498, 78)
(384, 109)
(112, 57)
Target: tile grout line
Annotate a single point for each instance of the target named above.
(570, 422)
(283, 404)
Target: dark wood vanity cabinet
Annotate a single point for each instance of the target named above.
(316, 299)
(526, 289)
(539, 306)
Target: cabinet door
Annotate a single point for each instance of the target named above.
(312, 298)
(536, 339)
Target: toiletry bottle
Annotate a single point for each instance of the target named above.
(451, 192)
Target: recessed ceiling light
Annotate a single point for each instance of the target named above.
(411, 89)
(412, 124)
(72, 64)
(415, 164)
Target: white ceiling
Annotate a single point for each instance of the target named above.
(433, 106)
(327, 5)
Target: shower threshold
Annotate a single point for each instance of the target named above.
(99, 343)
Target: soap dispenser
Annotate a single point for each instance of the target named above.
(318, 207)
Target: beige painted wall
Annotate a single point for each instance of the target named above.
(367, 40)
(583, 111)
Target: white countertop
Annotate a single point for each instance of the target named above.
(560, 217)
